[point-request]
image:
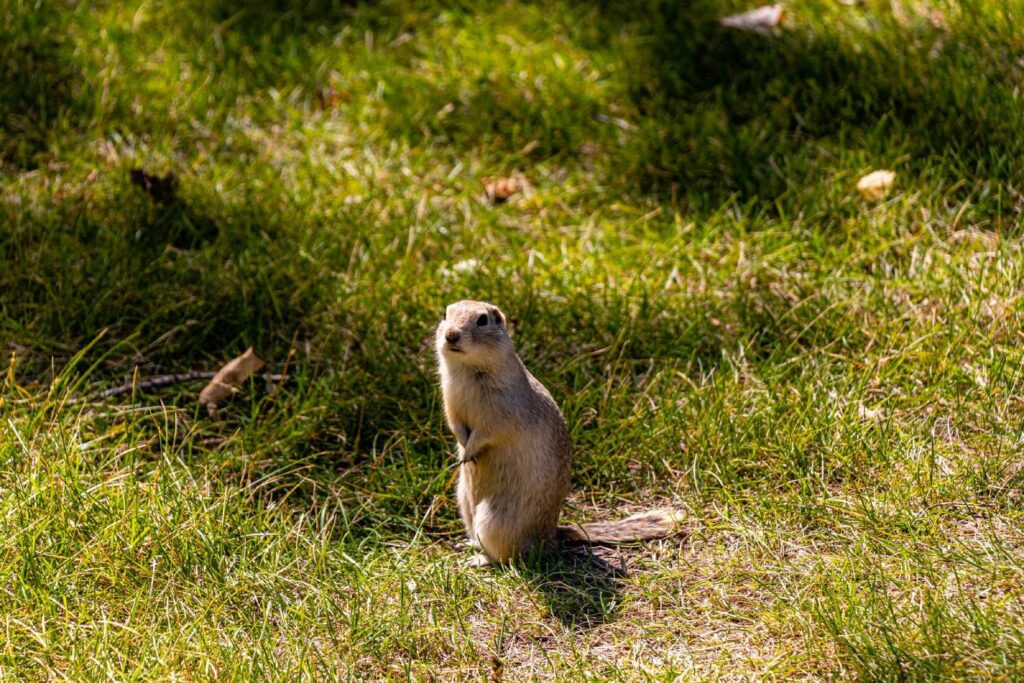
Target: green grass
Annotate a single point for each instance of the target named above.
(831, 389)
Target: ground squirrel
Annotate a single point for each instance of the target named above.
(514, 447)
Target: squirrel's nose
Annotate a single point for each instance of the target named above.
(452, 336)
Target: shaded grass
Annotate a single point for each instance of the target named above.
(830, 388)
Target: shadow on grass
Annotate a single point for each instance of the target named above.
(709, 115)
(579, 586)
(40, 83)
(179, 277)
(726, 114)
(260, 19)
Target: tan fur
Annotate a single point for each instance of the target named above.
(639, 527)
(511, 430)
(513, 443)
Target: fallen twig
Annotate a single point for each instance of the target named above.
(158, 381)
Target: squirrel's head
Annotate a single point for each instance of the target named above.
(473, 333)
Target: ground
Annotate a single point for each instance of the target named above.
(828, 387)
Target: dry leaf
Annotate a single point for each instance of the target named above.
(228, 379)
(876, 185)
(445, 110)
(764, 20)
(500, 189)
(327, 97)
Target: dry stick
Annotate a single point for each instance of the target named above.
(160, 381)
(150, 383)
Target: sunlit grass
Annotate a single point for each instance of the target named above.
(830, 388)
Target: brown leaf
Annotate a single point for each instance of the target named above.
(161, 190)
(764, 20)
(445, 110)
(328, 98)
(500, 189)
(228, 379)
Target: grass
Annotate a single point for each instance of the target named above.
(830, 388)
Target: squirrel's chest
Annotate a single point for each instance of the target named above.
(473, 402)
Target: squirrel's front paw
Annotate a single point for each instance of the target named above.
(462, 434)
(478, 561)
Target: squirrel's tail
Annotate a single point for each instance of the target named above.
(643, 526)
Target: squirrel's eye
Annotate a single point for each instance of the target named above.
(482, 320)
